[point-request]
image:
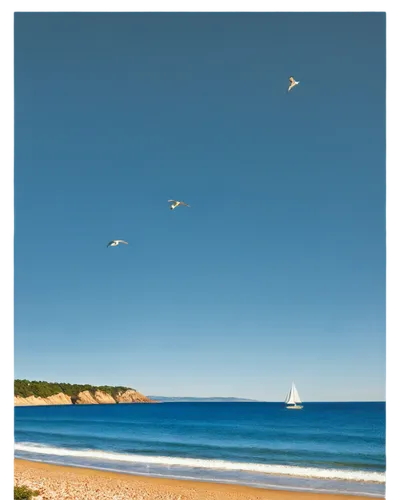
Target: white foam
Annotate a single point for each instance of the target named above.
(286, 470)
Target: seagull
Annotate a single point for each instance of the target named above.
(177, 203)
(293, 83)
(114, 243)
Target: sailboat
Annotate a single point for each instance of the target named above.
(292, 399)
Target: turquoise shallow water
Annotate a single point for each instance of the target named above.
(336, 447)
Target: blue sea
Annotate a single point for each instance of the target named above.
(326, 447)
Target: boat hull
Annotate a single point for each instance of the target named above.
(297, 407)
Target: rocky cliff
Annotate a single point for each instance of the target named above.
(83, 397)
(132, 396)
(57, 399)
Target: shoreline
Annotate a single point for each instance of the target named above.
(78, 483)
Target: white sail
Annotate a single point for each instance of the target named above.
(287, 399)
(290, 397)
(296, 395)
(293, 396)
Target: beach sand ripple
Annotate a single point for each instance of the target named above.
(56, 482)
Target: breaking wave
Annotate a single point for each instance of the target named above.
(197, 463)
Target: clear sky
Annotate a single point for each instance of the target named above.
(277, 270)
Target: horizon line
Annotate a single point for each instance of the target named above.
(267, 401)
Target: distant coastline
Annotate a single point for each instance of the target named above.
(40, 393)
(188, 399)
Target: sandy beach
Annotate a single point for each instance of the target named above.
(72, 483)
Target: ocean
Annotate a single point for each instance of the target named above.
(326, 447)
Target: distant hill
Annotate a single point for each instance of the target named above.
(39, 393)
(166, 399)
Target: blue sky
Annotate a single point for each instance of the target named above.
(276, 271)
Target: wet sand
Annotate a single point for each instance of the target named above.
(73, 483)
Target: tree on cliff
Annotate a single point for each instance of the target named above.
(25, 388)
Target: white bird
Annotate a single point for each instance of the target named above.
(293, 83)
(176, 204)
(114, 243)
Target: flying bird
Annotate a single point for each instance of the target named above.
(293, 83)
(114, 243)
(176, 204)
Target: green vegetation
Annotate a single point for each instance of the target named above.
(26, 388)
(24, 493)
